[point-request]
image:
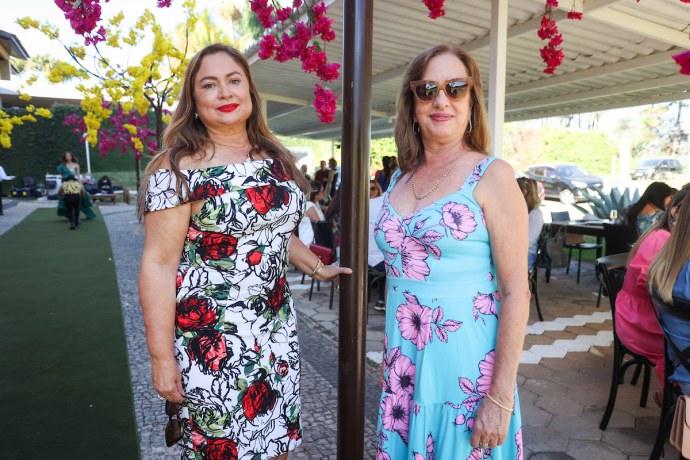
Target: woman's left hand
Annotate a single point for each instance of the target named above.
(490, 425)
(332, 273)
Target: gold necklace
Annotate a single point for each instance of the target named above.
(234, 149)
(438, 182)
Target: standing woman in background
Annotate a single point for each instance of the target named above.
(453, 231)
(221, 202)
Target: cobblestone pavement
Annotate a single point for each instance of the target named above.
(563, 378)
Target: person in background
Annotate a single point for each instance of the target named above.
(535, 218)
(647, 210)
(220, 204)
(383, 176)
(312, 213)
(305, 171)
(375, 256)
(321, 175)
(72, 192)
(333, 178)
(3, 177)
(636, 325)
(669, 274)
(70, 167)
(453, 231)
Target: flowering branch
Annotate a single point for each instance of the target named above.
(306, 42)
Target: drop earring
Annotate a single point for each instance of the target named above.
(415, 127)
(470, 130)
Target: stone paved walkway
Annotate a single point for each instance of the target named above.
(563, 378)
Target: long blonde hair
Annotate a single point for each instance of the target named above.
(187, 135)
(666, 266)
(409, 143)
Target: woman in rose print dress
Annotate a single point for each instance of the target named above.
(221, 202)
(453, 230)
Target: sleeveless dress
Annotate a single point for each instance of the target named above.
(235, 326)
(441, 322)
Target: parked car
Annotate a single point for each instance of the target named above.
(564, 181)
(656, 168)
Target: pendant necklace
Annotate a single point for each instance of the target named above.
(438, 182)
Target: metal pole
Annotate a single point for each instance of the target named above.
(357, 39)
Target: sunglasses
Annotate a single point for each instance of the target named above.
(174, 429)
(427, 90)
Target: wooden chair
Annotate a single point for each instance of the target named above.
(611, 272)
(678, 311)
(572, 241)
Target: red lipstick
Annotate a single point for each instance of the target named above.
(227, 108)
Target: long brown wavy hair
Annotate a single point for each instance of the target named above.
(665, 267)
(187, 135)
(410, 145)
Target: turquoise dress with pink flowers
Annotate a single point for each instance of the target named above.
(442, 311)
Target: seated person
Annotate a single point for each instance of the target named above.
(636, 324)
(528, 187)
(669, 274)
(375, 257)
(312, 213)
(648, 209)
(104, 185)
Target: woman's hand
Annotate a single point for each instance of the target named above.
(490, 425)
(167, 380)
(332, 273)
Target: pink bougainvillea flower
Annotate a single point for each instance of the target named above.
(435, 8)
(683, 59)
(414, 321)
(577, 15)
(325, 104)
(459, 219)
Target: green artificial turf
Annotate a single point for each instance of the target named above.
(65, 390)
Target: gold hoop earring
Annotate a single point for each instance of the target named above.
(415, 127)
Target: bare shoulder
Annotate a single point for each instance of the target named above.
(498, 179)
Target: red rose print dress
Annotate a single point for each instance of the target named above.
(235, 332)
(441, 322)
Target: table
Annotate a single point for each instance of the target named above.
(585, 227)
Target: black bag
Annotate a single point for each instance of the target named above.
(550, 253)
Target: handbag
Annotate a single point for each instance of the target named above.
(550, 253)
(325, 253)
(680, 430)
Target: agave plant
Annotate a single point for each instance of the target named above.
(602, 204)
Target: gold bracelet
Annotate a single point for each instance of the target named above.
(317, 268)
(505, 408)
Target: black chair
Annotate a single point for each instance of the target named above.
(619, 238)
(679, 310)
(539, 262)
(573, 241)
(611, 272)
(323, 236)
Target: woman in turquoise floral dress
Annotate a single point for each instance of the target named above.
(221, 202)
(453, 231)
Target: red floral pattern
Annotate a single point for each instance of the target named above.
(236, 338)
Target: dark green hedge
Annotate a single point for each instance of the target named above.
(37, 148)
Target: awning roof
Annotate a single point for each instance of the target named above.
(618, 56)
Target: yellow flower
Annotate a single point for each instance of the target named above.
(131, 129)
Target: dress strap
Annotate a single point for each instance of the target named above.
(393, 180)
(478, 172)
